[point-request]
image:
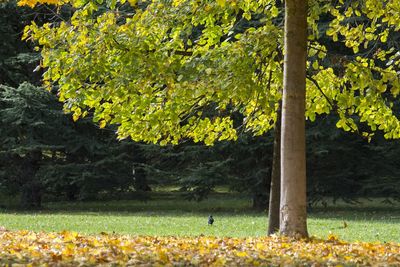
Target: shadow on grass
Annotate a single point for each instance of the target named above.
(158, 204)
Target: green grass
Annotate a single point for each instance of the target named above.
(166, 215)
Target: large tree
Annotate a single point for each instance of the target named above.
(169, 70)
(293, 212)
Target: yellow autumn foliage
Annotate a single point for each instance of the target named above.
(73, 249)
(33, 3)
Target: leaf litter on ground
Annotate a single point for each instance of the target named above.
(73, 249)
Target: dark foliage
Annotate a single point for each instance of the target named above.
(44, 152)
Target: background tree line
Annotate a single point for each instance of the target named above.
(45, 154)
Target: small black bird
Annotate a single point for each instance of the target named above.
(210, 220)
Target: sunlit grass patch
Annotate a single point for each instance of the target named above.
(176, 217)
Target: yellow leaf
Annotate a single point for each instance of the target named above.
(132, 2)
(261, 246)
(241, 254)
(335, 37)
(102, 124)
(315, 65)
(332, 237)
(69, 236)
(69, 250)
(163, 256)
(221, 3)
(29, 3)
(75, 117)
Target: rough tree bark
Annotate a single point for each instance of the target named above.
(293, 212)
(275, 189)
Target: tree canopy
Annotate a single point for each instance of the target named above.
(167, 70)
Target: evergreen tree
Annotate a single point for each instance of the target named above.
(32, 123)
(17, 58)
(43, 151)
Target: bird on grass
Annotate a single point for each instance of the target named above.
(210, 220)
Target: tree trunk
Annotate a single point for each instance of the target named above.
(259, 201)
(141, 180)
(275, 189)
(293, 211)
(31, 189)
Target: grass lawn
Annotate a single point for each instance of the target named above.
(166, 216)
